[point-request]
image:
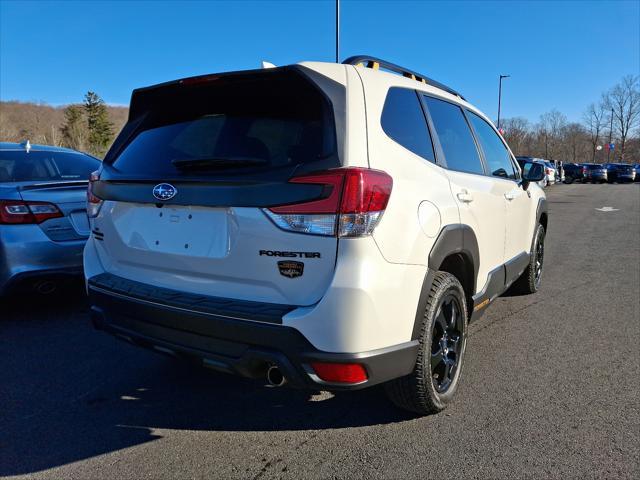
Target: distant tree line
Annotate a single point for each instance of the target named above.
(615, 118)
(89, 126)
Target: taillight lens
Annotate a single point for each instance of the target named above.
(352, 207)
(93, 202)
(340, 372)
(14, 212)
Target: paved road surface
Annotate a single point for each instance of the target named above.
(551, 387)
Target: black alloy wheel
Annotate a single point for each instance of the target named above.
(446, 343)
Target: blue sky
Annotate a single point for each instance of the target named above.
(559, 54)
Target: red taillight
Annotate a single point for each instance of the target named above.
(14, 212)
(352, 207)
(340, 372)
(93, 202)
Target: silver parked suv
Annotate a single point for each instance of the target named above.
(332, 226)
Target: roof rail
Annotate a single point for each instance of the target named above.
(376, 63)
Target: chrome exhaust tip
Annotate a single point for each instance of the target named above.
(275, 376)
(46, 287)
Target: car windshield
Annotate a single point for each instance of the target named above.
(43, 166)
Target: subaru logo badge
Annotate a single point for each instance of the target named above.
(164, 191)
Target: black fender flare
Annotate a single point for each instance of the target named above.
(452, 239)
(540, 209)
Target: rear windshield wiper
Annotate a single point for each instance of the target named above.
(217, 163)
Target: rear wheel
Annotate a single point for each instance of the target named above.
(529, 281)
(433, 383)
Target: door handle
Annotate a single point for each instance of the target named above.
(465, 196)
(510, 195)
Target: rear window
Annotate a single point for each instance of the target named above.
(595, 167)
(261, 123)
(20, 166)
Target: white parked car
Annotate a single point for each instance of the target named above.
(333, 226)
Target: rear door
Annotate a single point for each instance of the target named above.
(189, 188)
(520, 212)
(481, 199)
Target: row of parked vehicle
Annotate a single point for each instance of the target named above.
(566, 172)
(601, 172)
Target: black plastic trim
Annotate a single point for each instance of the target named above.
(540, 209)
(422, 303)
(498, 281)
(203, 304)
(234, 346)
(515, 267)
(456, 238)
(212, 194)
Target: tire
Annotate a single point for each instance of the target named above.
(529, 281)
(435, 378)
(569, 180)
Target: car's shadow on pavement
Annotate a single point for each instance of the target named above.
(135, 396)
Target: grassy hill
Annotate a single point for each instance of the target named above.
(42, 123)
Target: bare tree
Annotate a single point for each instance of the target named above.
(517, 134)
(550, 131)
(624, 102)
(575, 145)
(595, 121)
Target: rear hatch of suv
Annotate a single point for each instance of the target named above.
(192, 185)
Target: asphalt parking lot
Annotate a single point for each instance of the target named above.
(551, 387)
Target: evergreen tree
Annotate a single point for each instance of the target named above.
(100, 129)
(74, 130)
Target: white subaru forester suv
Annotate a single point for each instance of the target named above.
(329, 226)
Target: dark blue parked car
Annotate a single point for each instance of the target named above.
(620, 172)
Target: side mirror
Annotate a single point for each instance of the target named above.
(531, 172)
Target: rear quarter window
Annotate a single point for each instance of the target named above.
(404, 122)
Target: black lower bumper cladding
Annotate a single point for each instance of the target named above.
(228, 339)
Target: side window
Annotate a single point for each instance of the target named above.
(403, 121)
(455, 136)
(495, 153)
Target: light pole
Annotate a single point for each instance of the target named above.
(610, 133)
(500, 96)
(337, 31)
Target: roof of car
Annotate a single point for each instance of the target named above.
(36, 148)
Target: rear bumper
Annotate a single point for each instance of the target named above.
(239, 346)
(26, 252)
(626, 177)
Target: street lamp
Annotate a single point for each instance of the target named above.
(337, 31)
(500, 96)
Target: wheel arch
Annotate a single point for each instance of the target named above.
(542, 214)
(455, 251)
